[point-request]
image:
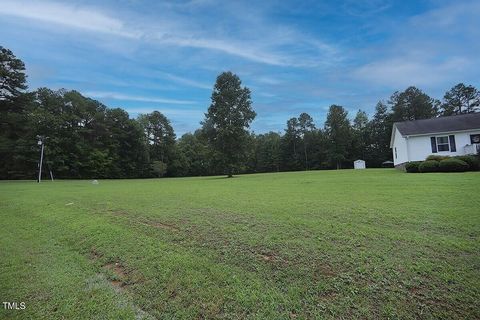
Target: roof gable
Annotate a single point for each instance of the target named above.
(442, 124)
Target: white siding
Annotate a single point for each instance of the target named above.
(419, 147)
(400, 145)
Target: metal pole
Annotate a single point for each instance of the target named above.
(41, 161)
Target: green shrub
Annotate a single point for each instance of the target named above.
(159, 168)
(472, 161)
(412, 167)
(453, 165)
(437, 157)
(428, 166)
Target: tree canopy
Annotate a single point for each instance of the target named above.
(461, 99)
(338, 132)
(227, 120)
(413, 104)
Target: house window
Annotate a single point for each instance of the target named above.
(475, 138)
(396, 153)
(443, 144)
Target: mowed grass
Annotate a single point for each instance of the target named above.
(321, 244)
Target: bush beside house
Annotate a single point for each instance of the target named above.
(437, 157)
(428, 166)
(473, 162)
(412, 167)
(436, 163)
(453, 165)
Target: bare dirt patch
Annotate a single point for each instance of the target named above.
(94, 254)
(160, 225)
(271, 257)
(325, 270)
(118, 213)
(328, 295)
(118, 270)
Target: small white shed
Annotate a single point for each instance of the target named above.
(359, 164)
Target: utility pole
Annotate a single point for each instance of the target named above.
(40, 142)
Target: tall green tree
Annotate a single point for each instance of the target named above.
(360, 131)
(306, 127)
(124, 140)
(228, 119)
(160, 139)
(290, 146)
(318, 147)
(338, 131)
(380, 130)
(13, 80)
(193, 153)
(413, 104)
(13, 115)
(460, 99)
(268, 154)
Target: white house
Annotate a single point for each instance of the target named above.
(450, 136)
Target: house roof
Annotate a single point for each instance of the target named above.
(442, 124)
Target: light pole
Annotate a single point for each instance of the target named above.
(40, 143)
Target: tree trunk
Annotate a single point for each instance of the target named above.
(229, 172)
(306, 158)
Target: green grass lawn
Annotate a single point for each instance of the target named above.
(321, 244)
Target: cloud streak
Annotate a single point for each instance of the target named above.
(189, 113)
(431, 49)
(87, 19)
(120, 96)
(401, 72)
(179, 33)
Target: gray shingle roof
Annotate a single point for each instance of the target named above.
(441, 124)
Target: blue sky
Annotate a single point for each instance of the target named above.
(295, 56)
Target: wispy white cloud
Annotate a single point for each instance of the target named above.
(452, 17)
(88, 19)
(172, 112)
(268, 47)
(232, 48)
(268, 80)
(366, 8)
(120, 96)
(434, 49)
(186, 81)
(401, 72)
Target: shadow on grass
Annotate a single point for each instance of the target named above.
(217, 177)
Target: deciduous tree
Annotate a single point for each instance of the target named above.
(160, 137)
(228, 119)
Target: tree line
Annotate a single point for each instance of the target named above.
(86, 139)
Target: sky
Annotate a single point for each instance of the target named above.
(295, 56)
